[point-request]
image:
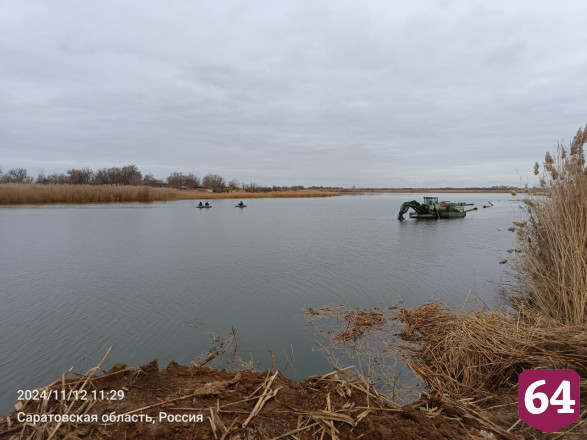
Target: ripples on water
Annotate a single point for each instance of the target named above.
(76, 279)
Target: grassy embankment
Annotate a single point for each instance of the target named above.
(478, 355)
(15, 194)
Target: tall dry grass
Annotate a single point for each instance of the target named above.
(479, 354)
(22, 193)
(472, 360)
(551, 256)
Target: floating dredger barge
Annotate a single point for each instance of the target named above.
(431, 209)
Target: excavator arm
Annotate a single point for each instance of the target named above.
(407, 205)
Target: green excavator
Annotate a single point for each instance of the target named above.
(431, 209)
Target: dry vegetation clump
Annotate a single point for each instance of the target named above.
(472, 360)
(357, 321)
(480, 354)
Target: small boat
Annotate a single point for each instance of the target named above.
(240, 206)
(431, 209)
(203, 206)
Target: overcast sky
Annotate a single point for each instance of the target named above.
(366, 93)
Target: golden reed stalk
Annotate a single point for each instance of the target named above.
(24, 193)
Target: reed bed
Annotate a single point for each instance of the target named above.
(472, 360)
(22, 193)
(551, 256)
(480, 354)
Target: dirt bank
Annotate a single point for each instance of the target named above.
(234, 405)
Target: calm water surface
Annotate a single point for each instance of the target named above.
(75, 280)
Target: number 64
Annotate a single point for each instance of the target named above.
(565, 403)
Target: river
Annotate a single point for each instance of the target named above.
(77, 279)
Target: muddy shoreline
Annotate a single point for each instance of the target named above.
(158, 404)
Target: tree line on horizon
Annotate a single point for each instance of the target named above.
(130, 175)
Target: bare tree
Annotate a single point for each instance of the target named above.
(52, 179)
(16, 175)
(191, 181)
(83, 176)
(251, 187)
(102, 177)
(130, 175)
(176, 180)
(214, 182)
(181, 180)
(150, 180)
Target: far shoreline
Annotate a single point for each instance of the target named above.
(38, 194)
(430, 190)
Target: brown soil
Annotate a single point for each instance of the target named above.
(334, 406)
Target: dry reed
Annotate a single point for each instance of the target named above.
(479, 354)
(21, 193)
(551, 261)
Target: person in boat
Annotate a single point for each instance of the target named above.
(206, 204)
(240, 203)
(200, 204)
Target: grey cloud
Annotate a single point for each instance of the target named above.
(332, 93)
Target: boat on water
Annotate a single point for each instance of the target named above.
(240, 206)
(432, 209)
(203, 206)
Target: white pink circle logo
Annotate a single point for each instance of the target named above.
(549, 400)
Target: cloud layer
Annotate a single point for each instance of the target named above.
(379, 93)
